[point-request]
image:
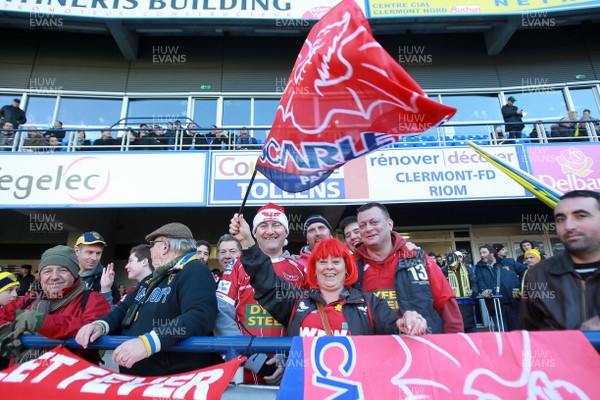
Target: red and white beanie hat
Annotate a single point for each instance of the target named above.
(270, 212)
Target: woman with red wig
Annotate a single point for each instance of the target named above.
(330, 305)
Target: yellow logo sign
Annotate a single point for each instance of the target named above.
(388, 295)
(258, 317)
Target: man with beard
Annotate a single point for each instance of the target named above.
(316, 228)
(563, 292)
(496, 276)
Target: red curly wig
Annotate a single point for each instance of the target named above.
(331, 248)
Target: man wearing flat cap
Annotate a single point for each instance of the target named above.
(13, 114)
(513, 116)
(177, 302)
(57, 311)
(316, 228)
(89, 248)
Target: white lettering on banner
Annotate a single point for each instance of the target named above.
(55, 361)
(102, 384)
(128, 387)
(268, 190)
(48, 362)
(199, 383)
(84, 375)
(572, 182)
(439, 173)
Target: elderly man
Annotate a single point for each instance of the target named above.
(563, 292)
(58, 311)
(178, 302)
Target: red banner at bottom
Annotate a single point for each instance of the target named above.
(490, 366)
(61, 374)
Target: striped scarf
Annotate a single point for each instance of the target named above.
(47, 306)
(464, 280)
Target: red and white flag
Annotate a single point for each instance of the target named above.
(346, 97)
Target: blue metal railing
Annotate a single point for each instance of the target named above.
(229, 345)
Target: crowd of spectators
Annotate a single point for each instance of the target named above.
(173, 136)
(374, 283)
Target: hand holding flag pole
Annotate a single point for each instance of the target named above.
(346, 97)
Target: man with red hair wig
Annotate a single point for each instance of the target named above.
(332, 306)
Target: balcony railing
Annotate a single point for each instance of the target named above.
(202, 138)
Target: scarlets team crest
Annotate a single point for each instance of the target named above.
(346, 97)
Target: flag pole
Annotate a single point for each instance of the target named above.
(247, 192)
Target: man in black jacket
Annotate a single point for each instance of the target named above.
(563, 292)
(178, 302)
(12, 113)
(511, 113)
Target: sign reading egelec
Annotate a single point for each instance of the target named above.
(141, 9)
(103, 179)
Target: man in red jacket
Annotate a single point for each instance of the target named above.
(409, 279)
(57, 311)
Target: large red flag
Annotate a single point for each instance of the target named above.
(346, 97)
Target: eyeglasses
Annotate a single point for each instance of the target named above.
(155, 241)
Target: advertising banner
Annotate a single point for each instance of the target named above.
(59, 374)
(230, 177)
(566, 167)
(141, 9)
(390, 175)
(86, 179)
(515, 365)
(533, 12)
(440, 173)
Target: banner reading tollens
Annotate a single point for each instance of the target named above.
(230, 9)
(453, 8)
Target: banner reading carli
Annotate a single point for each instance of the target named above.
(566, 167)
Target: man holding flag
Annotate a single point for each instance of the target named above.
(271, 229)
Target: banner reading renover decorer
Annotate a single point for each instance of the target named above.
(82, 179)
(230, 9)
